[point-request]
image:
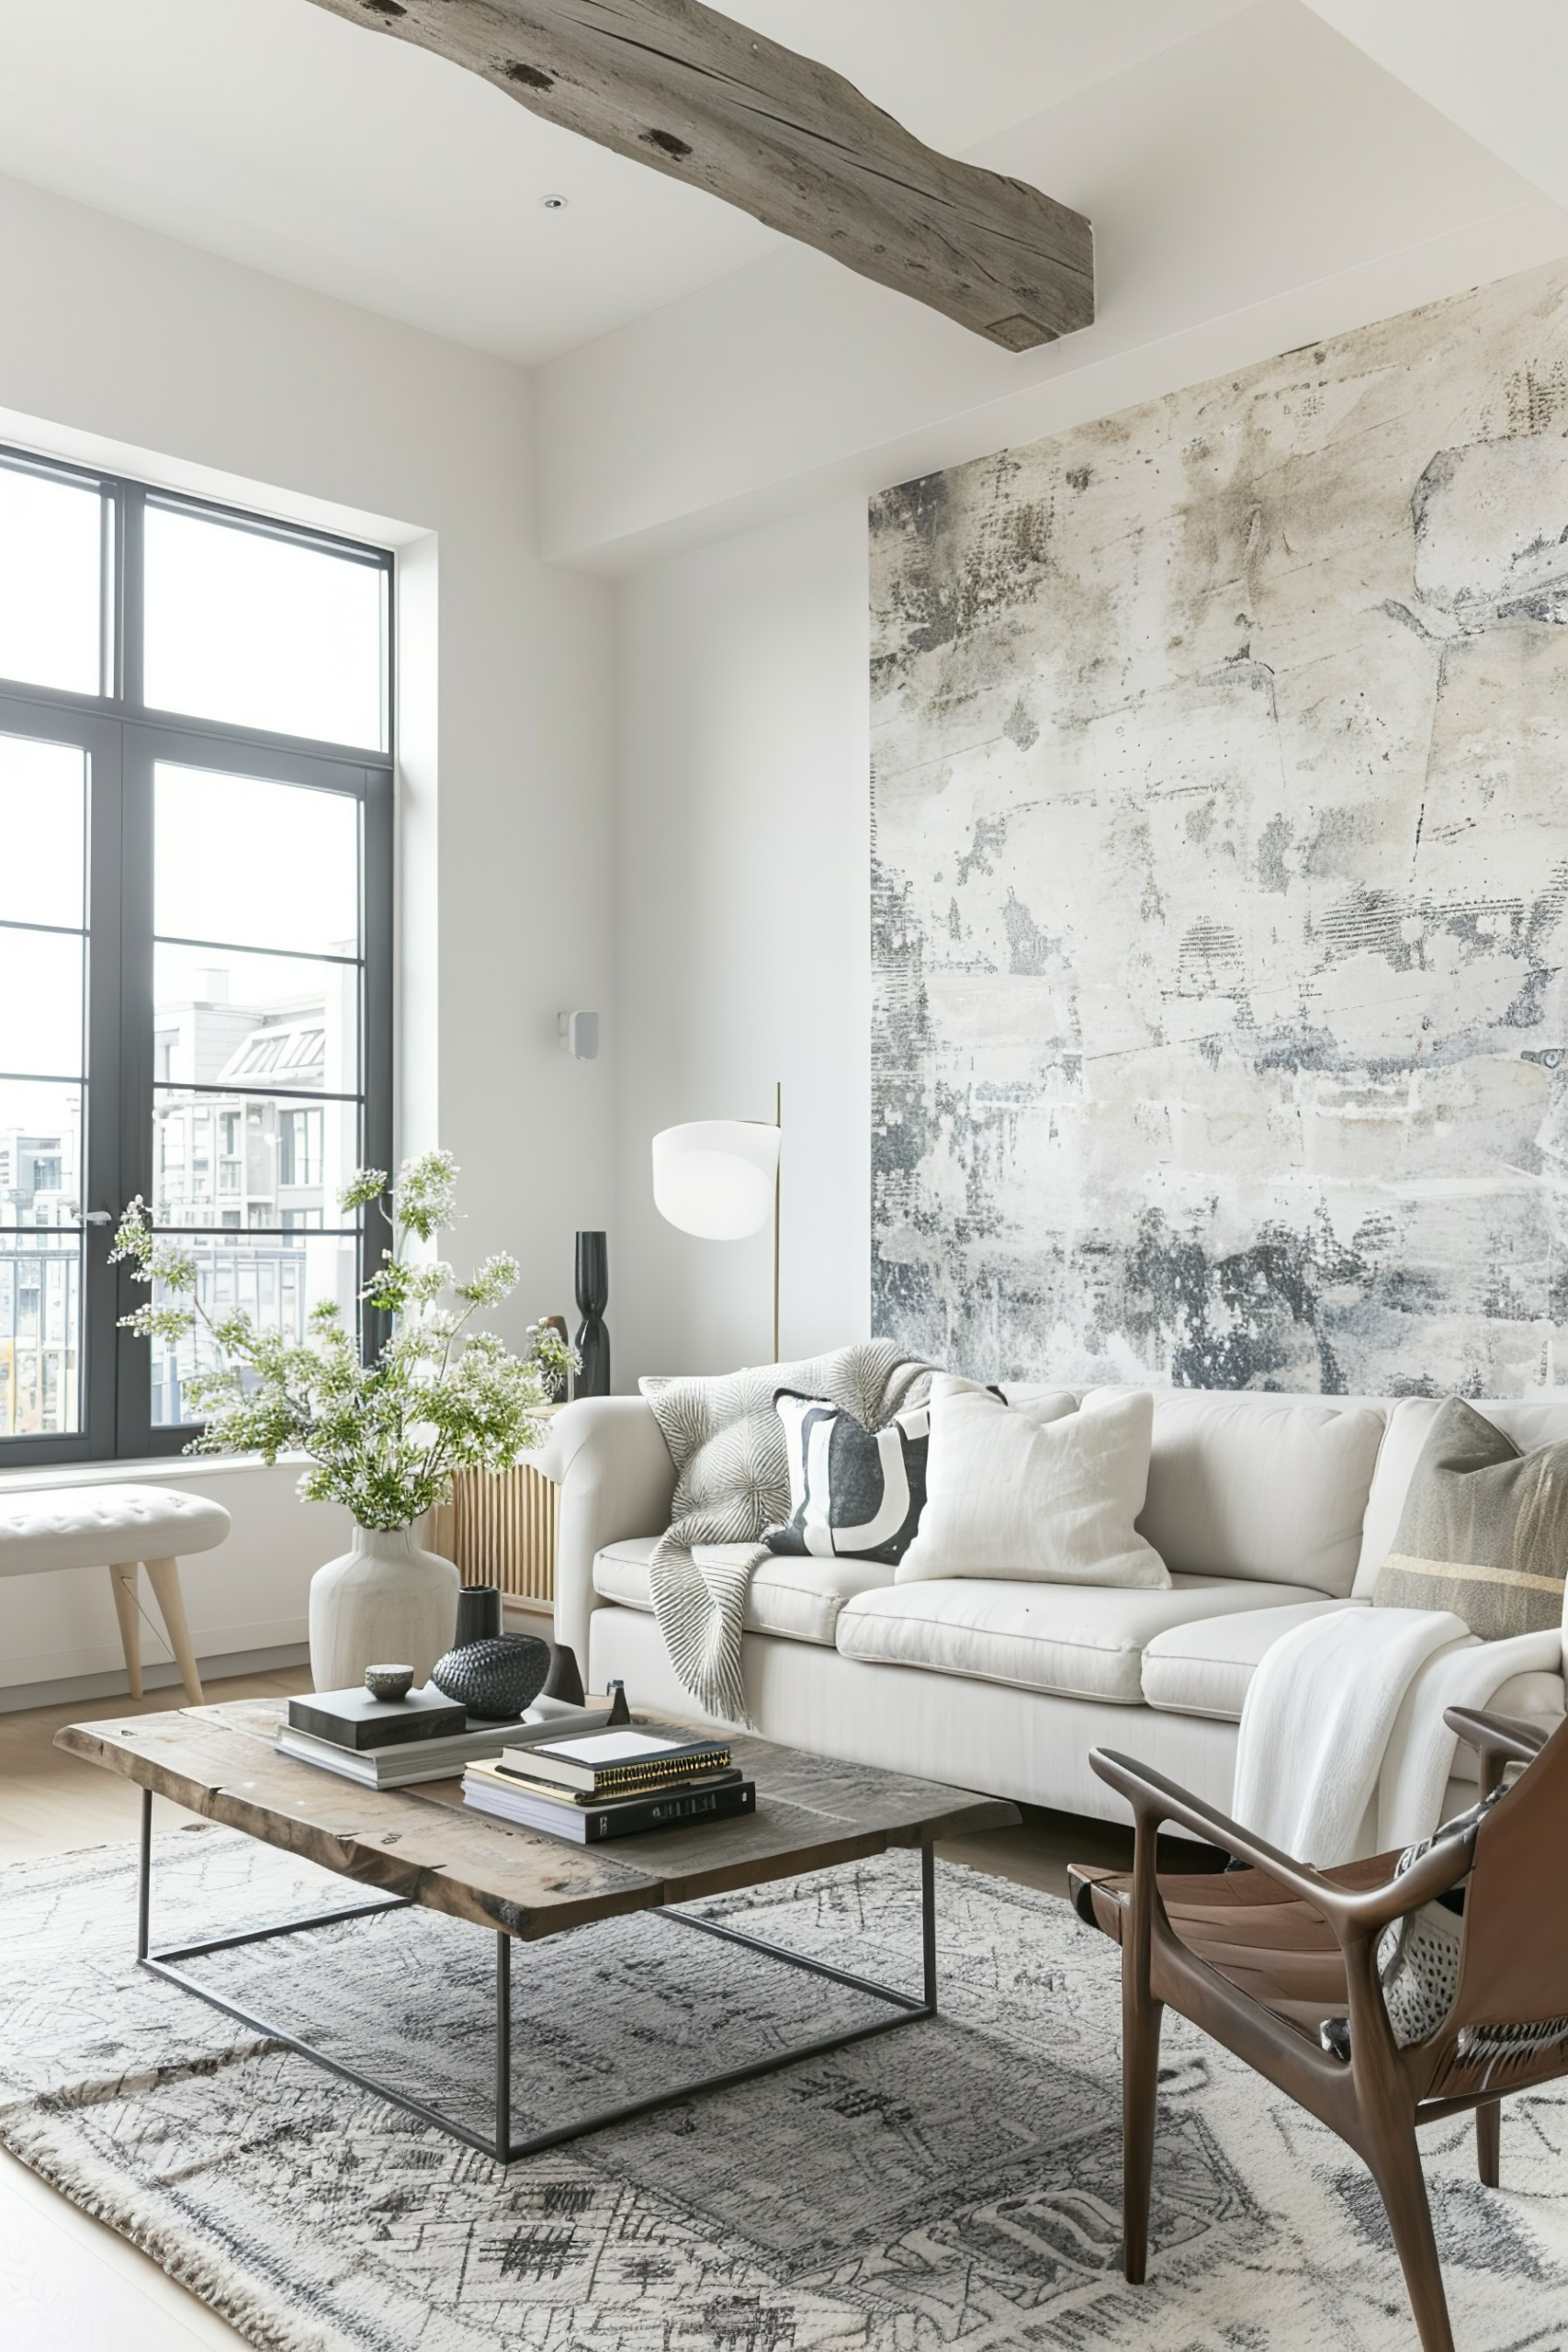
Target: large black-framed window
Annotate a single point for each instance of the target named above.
(196, 931)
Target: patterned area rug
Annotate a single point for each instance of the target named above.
(951, 2183)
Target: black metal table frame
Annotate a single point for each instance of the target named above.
(501, 2144)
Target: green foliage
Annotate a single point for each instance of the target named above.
(382, 1438)
(553, 1353)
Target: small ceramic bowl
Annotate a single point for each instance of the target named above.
(388, 1682)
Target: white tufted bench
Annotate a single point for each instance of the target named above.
(117, 1528)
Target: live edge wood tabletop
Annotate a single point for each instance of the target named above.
(424, 1844)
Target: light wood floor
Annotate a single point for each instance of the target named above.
(50, 1803)
(66, 2283)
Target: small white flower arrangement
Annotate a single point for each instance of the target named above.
(383, 1438)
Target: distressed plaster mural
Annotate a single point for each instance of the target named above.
(1221, 878)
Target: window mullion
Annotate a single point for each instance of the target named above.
(375, 1016)
(101, 1169)
(134, 1091)
(131, 594)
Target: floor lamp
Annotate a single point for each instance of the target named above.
(719, 1179)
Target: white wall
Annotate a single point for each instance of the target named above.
(742, 818)
(742, 934)
(125, 347)
(246, 1600)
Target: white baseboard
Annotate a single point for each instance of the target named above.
(214, 1646)
(156, 1675)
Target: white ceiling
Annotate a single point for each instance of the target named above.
(276, 135)
(1498, 67)
(1262, 183)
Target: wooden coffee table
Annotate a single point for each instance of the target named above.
(424, 1846)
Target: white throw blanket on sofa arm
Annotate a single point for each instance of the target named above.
(1343, 1750)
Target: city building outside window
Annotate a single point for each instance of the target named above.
(196, 909)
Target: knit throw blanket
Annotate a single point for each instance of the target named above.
(732, 1483)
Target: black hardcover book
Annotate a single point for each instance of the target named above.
(353, 1719)
(488, 1792)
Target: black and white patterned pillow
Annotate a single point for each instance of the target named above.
(854, 1492)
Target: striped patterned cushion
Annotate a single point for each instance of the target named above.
(1483, 1531)
(855, 1493)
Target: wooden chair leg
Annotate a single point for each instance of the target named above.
(1489, 2142)
(1395, 2167)
(1141, 2018)
(164, 1575)
(122, 1584)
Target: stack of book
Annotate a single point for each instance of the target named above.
(396, 1743)
(611, 1783)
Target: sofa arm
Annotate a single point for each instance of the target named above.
(1471, 1675)
(608, 1456)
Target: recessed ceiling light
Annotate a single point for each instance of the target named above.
(553, 203)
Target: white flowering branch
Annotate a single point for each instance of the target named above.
(383, 1438)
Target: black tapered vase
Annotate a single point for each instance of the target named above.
(593, 1298)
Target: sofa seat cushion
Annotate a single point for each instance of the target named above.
(799, 1598)
(1204, 1669)
(1080, 1641)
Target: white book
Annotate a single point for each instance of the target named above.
(387, 1768)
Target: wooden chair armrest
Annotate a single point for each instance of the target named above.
(1502, 1735)
(1353, 1916)
(1152, 1796)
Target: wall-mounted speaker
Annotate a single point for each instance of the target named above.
(579, 1035)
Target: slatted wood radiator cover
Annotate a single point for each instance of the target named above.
(502, 1530)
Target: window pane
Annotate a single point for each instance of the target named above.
(41, 1003)
(222, 1016)
(51, 592)
(262, 631)
(276, 1279)
(41, 1320)
(42, 802)
(40, 1154)
(267, 1162)
(259, 863)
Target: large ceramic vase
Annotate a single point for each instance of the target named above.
(386, 1601)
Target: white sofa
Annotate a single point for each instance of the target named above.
(1265, 1509)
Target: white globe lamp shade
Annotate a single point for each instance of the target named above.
(715, 1178)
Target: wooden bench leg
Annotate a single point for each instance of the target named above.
(122, 1584)
(164, 1575)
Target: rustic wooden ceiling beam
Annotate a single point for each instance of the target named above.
(673, 83)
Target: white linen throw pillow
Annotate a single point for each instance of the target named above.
(1035, 1491)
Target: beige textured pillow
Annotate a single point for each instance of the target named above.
(1037, 1492)
(1483, 1531)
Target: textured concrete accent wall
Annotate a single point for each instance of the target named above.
(1220, 892)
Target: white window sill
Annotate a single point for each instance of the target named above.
(161, 1470)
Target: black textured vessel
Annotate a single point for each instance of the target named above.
(496, 1677)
